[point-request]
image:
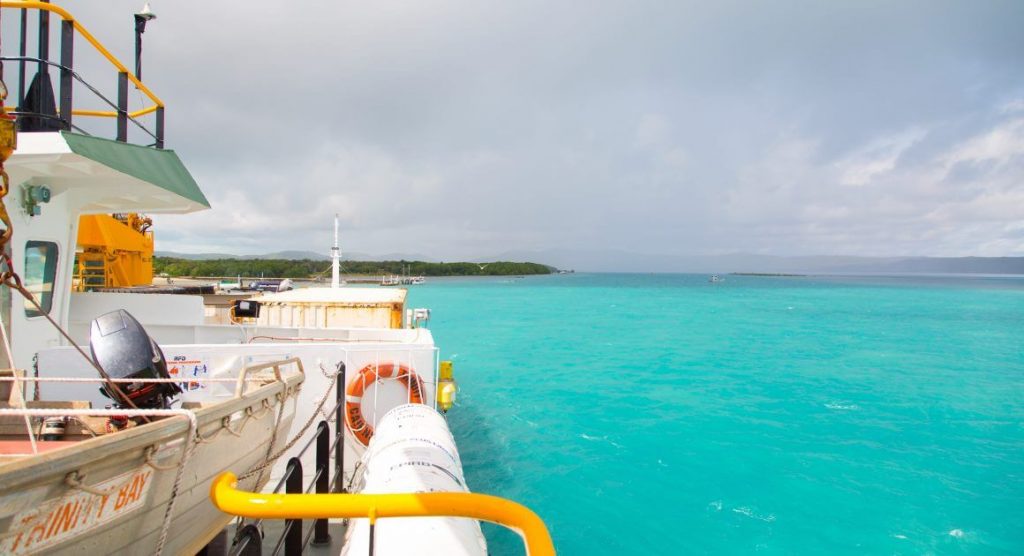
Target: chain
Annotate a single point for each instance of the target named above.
(271, 459)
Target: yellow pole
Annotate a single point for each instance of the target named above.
(504, 512)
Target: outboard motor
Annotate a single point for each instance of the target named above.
(122, 348)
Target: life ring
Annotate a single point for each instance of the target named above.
(368, 375)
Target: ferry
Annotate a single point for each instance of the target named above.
(137, 419)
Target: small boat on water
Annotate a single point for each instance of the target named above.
(402, 280)
(716, 279)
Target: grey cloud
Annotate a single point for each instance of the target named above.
(461, 129)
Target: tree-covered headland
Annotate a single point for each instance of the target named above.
(311, 269)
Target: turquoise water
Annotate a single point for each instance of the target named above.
(661, 414)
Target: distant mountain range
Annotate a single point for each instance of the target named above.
(623, 261)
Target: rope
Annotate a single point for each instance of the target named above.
(11, 279)
(273, 438)
(192, 439)
(200, 439)
(270, 460)
(74, 480)
(136, 380)
(263, 410)
(329, 417)
(150, 461)
(226, 425)
(14, 374)
(186, 452)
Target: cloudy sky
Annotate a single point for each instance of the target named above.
(462, 129)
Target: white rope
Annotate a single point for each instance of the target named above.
(245, 333)
(131, 380)
(325, 340)
(14, 376)
(98, 412)
(187, 447)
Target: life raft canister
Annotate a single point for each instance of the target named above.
(368, 375)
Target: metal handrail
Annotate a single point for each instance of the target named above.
(132, 116)
(227, 498)
(292, 540)
(66, 16)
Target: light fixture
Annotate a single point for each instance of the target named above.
(146, 14)
(32, 196)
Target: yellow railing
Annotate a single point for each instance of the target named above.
(66, 16)
(504, 512)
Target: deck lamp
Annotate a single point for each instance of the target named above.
(141, 19)
(32, 196)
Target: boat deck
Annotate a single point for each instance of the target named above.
(273, 529)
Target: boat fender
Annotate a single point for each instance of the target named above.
(370, 374)
(447, 388)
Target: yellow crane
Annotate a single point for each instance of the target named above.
(116, 251)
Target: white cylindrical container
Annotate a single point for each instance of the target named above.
(412, 450)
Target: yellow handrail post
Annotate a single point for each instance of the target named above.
(519, 518)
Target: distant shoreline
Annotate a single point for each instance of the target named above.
(317, 270)
(772, 274)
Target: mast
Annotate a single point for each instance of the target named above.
(335, 258)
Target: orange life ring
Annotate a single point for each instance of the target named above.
(368, 375)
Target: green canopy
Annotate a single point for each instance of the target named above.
(160, 167)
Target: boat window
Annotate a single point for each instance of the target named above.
(40, 274)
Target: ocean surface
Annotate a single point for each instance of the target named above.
(663, 414)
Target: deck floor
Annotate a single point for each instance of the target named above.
(272, 533)
(272, 530)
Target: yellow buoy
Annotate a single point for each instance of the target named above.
(447, 388)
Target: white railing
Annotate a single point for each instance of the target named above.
(17, 379)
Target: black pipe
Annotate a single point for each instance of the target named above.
(140, 28)
(339, 427)
(321, 535)
(293, 527)
(122, 107)
(160, 127)
(21, 64)
(67, 55)
(44, 36)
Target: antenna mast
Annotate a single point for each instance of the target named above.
(335, 258)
